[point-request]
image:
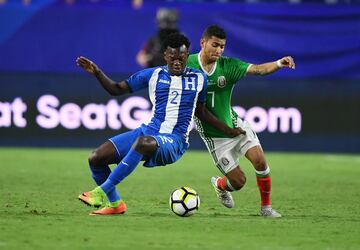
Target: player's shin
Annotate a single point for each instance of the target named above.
(123, 169)
(100, 174)
(263, 180)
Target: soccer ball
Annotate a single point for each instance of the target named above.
(184, 201)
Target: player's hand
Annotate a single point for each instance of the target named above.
(233, 132)
(287, 62)
(87, 64)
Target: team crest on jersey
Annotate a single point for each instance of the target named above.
(221, 81)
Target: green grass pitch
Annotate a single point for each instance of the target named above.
(318, 195)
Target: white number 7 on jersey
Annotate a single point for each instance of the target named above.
(212, 93)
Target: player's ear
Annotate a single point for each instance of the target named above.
(202, 42)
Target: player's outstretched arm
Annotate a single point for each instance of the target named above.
(112, 87)
(205, 115)
(271, 67)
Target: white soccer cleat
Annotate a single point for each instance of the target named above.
(224, 197)
(268, 212)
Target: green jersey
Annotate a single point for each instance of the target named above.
(221, 81)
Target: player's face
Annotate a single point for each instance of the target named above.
(213, 48)
(176, 59)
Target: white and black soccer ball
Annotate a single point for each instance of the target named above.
(184, 201)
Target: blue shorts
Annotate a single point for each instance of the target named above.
(170, 146)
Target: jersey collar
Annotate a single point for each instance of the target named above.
(203, 69)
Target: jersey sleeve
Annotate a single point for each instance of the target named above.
(236, 68)
(140, 80)
(202, 94)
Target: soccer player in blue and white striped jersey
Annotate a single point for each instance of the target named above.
(177, 93)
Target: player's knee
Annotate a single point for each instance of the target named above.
(95, 159)
(145, 145)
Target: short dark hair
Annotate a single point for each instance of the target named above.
(175, 40)
(214, 30)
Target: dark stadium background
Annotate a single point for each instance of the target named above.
(40, 40)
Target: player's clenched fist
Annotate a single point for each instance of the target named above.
(286, 61)
(87, 64)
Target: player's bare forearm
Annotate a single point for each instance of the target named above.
(271, 67)
(263, 69)
(206, 116)
(112, 87)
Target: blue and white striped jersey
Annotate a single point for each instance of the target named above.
(173, 98)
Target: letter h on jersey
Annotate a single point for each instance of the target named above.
(189, 83)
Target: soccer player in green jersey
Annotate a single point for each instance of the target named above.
(223, 73)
